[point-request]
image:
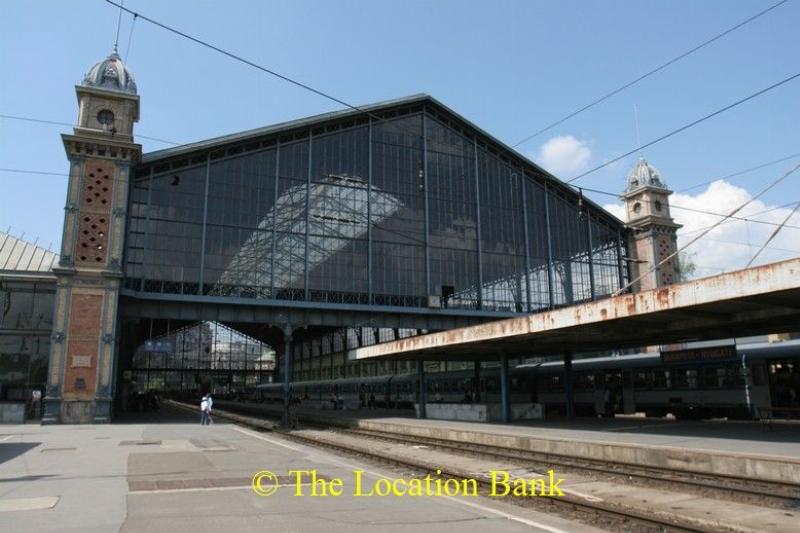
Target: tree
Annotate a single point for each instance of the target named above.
(686, 265)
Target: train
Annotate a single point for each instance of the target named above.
(753, 380)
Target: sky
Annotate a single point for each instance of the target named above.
(511, 67)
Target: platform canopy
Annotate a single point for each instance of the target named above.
(759, 300)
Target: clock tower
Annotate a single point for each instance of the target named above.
(653, 236)
(101, 155)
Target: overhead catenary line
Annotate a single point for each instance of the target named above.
(241, 59)
(736, 219)
(650, 73)
(701, 211)
(774, 234)
(694, 240)
(687, 126)
(741, 172)
(57, 123)
(130, 37)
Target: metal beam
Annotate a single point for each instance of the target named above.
(478, 224)
(205, 225)
(422, 393)
(505, 393)
(288, 347)
(427, 207)
(308, 217)
(568, 389)
(524, 182)
(369, 218)
(550, 269)
(274, 217)
(590, 251)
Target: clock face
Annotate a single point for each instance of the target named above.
(105, 117)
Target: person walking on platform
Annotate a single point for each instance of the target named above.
(205, 410)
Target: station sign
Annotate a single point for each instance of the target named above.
(158, 346)
(711, 354)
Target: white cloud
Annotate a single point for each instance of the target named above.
(564, 155)
(730, 245)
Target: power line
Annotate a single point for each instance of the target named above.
(240, 58)
(748, 245)
(71, 125)
(741, 172)
(784, 206)
(701, 211)
(650, 73)
(774, 234)
(687, 126)
(24, 171)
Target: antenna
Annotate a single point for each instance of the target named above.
(636, 120)
(119, 23)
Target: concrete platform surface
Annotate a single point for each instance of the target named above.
(169, 473)
(719, 436)
(734, 448)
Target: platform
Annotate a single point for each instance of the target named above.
(735, 448)
(165, 472)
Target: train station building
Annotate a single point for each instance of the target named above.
(230, 262)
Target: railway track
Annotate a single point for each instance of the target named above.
(772, 494)
(597, 513)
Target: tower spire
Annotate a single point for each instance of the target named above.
(119, 23)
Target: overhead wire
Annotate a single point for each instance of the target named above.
(69, 124)
(784, 206)
(701, 211)
(130, 37)
(649, 73)
(687, 126)
(241, 59)
(741, 172)
(773, 235)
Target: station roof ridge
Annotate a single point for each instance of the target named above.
(272, 129)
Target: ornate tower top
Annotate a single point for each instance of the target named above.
(110, 74)
(643, 174)
(653, 239)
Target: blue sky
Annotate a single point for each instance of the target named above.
(511, 67)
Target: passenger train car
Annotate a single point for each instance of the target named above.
(752, 379)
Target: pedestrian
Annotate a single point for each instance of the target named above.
(204, 411)
(210, 405)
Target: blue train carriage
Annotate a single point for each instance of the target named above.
(722, 381)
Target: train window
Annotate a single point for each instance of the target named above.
(684, 378)
(711, 377)
(584, 382)
(640, 379)
(660, 379)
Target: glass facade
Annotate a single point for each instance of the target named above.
(205, 357)
(26, 321)
(384, 211)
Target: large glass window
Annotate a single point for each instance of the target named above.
(370, 211)
(26, 320)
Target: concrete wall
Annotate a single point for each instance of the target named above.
(479, 412)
